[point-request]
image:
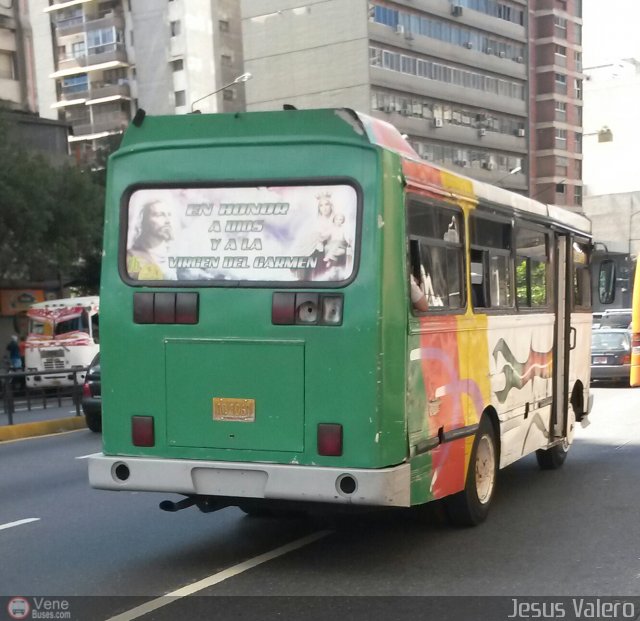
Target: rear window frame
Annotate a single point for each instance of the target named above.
(123, 228)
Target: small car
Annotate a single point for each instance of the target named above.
(91, 396)
(610, 354)
(616, 318)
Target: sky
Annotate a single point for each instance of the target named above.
(610, 31)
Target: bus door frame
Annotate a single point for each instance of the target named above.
(562, 336)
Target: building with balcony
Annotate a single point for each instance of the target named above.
(450, 74)
(556, 85)
(109, 57)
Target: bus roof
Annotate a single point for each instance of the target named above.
(63, 306)
(341, 125)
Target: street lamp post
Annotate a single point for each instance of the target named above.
(513, 171)
(241, 78)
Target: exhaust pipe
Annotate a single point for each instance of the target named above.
(172, 507)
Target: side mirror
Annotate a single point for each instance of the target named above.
(607, 282)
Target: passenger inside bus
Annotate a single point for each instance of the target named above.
(418, 297)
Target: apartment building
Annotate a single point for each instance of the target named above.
(16, 76)
(556, 91)
(99, 60)
(450, 74)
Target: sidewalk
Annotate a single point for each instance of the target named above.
(39, 420)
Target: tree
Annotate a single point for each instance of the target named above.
(51, 219)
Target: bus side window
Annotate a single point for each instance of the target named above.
(491, 262)
(478, 295)
(437, 254)
(95, 328)
(581, 277)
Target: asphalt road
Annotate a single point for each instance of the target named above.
(573, 531)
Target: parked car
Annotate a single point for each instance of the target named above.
(91, 396)
(616, 318)
(610, 354)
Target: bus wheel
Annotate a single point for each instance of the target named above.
(94, 422)
(553, 458)
(470, 507)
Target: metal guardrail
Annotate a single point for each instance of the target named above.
(9, 388)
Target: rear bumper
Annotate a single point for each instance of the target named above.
(606, 372)
(383, 487)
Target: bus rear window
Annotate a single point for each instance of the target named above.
(253, 234)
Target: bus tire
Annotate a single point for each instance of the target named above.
(94, 422)
(470, 507)
(552, 458)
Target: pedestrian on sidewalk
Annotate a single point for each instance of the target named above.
(15, 361)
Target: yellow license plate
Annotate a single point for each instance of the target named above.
(239, 410)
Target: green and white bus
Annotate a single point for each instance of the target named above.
(259, 342)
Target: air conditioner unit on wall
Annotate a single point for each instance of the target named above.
(468, 45)
(400, 29)
(438, 122)
(488, 165)
(456, 10)
(520, 133)
(482, 131)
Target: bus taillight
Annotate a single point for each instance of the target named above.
(142, 431)
(307, 309)
(330, 439)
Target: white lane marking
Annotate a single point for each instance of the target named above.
(87, 456)
(214, 579)
(18, 523)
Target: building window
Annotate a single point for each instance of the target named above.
(561, 55)
(226, 59)
(7, 65)
(223, 24)
(75, 84)
(560, 188)
(561, 83)
(177, 64)
(578, 142)
(440, 72)
(560, 27)
(561, 138)
(103, 40)
(229, 94)
(561, 111)
(577, 34)
(181, 98)
(578, 88)
(578, 60)
(562, 166)
(577, 195)
(176, 28)
(78, 49)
